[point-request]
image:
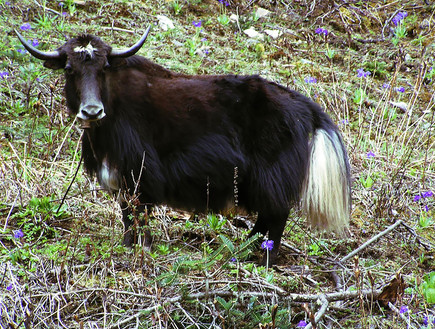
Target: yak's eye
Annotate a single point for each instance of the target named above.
(68, 69)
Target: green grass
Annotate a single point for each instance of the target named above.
(69, 269)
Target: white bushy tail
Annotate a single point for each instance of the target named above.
(326, 190)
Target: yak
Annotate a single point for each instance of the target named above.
(201, 142)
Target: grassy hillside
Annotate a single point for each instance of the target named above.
(369, 64)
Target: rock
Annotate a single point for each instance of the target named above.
(165, 23)
(253, 34)
(273, 33)
(261, 12)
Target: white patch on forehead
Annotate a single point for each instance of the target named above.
(88, 49)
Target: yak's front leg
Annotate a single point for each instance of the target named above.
(135, 218)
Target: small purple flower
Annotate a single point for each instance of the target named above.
(417, 197)
(363, 74)
(224, 2)
(234, 259)
(310, 80)
(203, 39)
(403, 309)
(206, 51)
(22, 51)
(302, 324)
(425, 320)
(35, 43)
(7, 3)
(4, 74)
(321, 31)
(268, 245)
(427, 194)
(18, 234)
(344, 122)
(64, 14)
(386, 86)
(9, 288)
(400, 89)
(25, 26)
(399, 16)
(197, 24)
(370, 154)
(426, 208)
(61, 4)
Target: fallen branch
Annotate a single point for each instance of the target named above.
(373, 239)
(324, 298)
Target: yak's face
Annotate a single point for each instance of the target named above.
(85, 60)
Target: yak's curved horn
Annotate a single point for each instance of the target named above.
(132, 50)
(44, 55)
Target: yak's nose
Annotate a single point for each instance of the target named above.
(91, 112)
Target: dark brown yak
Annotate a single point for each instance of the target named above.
(176, 139)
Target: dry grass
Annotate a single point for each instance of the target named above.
(69, 270)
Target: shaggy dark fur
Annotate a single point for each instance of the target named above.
(175, 137)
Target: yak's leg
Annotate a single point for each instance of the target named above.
(133, 224)
(260, 226)
(274, 223)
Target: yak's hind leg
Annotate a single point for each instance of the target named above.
(133, 223)
(274, 223)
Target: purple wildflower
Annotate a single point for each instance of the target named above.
(61, 4)
(425, 320)
(224, 2)
(370, 154)
(363, 74)
(302, 324)
(4, 74)
(197, 24)
(400, 89)
(234, 259)
(426, 208)
(268, 245)
(417, 198)
(25, 26)
(321, 31)
(22, 51)
(399, 16)
(35, 43)
(403, 309)
(386, 86)
(427, 194)
(9, 288)
(18, 234)
(310, 80)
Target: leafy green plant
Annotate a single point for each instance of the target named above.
(223, 19)
(400, 30)
(34, 219)
(359, 96)
(427, 288)
(215, 222)
(163, 249)
(176, 6)
(366, 181)
(425, 221)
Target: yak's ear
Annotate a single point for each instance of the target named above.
(55, 64)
